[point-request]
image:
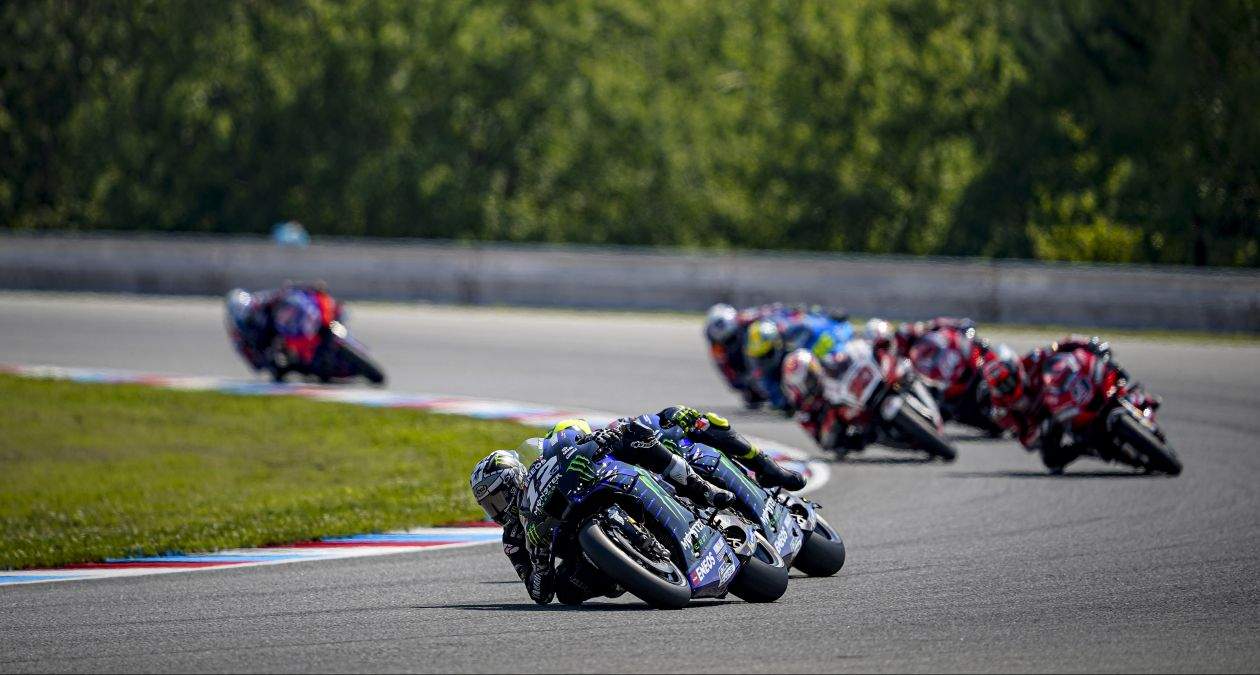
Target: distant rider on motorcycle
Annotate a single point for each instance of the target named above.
(1018, 388)
(520, 500)
(772, 338)
(273, 327)
(726, 330)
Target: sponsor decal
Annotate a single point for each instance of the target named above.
(692, 538)
(767, 512)
(779, 541)
(706, 565)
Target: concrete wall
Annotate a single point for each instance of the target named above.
(642, 278)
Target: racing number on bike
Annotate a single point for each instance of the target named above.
(541, 485)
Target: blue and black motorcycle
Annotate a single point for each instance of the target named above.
(792, 524)
(657, 546)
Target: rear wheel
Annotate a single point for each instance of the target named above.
(659, 583)
(822, 554)
(1157, 455)
(922, 434)
(763, 577)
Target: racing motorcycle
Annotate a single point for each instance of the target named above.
(949, 362)
(306, 337)
(874, 397)
(802, 537)
(660, 548)
(1100, 409)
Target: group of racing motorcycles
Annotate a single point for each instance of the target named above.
(898, 386)
(676, 505)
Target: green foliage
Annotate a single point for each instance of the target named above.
(89, 471)
(1071, 129)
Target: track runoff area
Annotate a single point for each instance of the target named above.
(985, 564)
(333, 548)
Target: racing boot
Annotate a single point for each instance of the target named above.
(715, 431)
(690, 485)
(770, 474)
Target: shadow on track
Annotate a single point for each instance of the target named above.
(584, 607)
(859, 459)
(977, 437)
(1079, 475)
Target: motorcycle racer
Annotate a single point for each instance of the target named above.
(521, 501)
(273, 327)
(949, 357)
(726, 330)
(1019, 388)
(770, 339)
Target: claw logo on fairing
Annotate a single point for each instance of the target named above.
(692, 538)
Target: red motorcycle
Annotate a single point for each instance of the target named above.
(950, 362)
(305, 335)
(874, 397)
(1100, 409)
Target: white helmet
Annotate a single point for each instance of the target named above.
(721, 323)
(238, 303)
(801, 381)
(877, 330)
(495, 483)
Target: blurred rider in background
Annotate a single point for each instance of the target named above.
(726, 329)
(273, 328)
(1018, 386)
(770, 339)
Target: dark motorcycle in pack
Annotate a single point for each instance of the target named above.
(949, 361)
(802, 537)
(660, 548)
(1098, 407)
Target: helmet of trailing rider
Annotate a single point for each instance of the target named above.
(801, 378)
(239, 303)
(765, 343)
(1004, 377)
(496, 481)
(877, 331)
(580, 424)
(722, 323)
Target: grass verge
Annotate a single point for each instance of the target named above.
(91, 471)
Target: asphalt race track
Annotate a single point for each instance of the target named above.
(987, 564)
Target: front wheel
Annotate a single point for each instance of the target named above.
(359, 363)
(822, 554)
(922, 434)
(659, 583)
(763, 577)
(1157, 455)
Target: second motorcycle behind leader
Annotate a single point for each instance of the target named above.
(860, 395)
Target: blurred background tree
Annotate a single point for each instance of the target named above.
(1108, 130)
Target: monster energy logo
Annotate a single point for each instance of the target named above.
(533, 536)
(668, 501)
(582, 467)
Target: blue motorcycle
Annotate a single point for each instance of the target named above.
(802, 537)
(659, 547)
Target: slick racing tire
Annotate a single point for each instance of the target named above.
(626, 568)
(822, 554)
(362, 364)
(1158, 456)
(922, 434)
(763, 577)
